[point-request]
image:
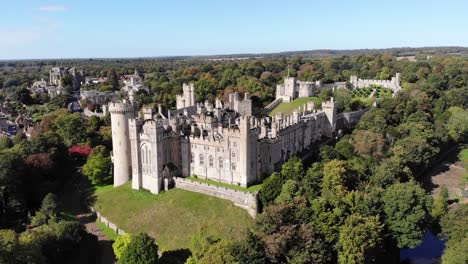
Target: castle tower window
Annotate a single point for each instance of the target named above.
(210, 161)
(201, 159)
(233, 166)
(233, 154)
(192, 158)
(220, 162)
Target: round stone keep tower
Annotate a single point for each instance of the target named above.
(120, 114)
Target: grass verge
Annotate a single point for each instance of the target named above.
(287, 108)
(252, 188)
(107, 231)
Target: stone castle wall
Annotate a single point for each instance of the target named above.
(245, 200)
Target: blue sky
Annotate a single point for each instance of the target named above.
(137, 28)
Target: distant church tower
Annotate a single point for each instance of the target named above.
(120, 114)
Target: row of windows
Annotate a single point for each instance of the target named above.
(234, 144)
(201, 161)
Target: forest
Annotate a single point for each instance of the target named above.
(359, 201)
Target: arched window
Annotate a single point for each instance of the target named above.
(202, 159)
(220, 162)
(192, 158)
(233, 166)
(233, 154)
(210, 161)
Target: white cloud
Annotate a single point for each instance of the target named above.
(52, 8)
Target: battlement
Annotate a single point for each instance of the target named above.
(121, 108)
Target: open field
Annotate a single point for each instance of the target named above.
(449, 173)
(173, 218)
(287, 108)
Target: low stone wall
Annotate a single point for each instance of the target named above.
(109, 224)
(245, 200)
(271, 106)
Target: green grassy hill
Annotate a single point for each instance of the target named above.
(287, 108)
(173, 218)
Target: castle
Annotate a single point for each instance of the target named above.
(293, 88)
(221, 142)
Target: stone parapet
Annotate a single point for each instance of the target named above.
(245, 200)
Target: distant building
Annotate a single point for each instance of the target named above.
(95, 80)
(393, 84)
(133, 82)
(98, 97)
(57, 73)
(6, 126)
(292, 88)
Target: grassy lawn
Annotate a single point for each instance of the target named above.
(366, 100)
(107, 231)
(287, 108)
(252, 188)
(173, 218)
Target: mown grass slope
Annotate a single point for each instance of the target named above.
(173, 218)
(287, 108)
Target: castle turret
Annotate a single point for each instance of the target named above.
(120, 115)
(329, 107)
(245, 169)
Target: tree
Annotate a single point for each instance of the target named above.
(93, 124)
(271, 188)
(289, 190)
(23, 95)
(49, 205)
(407, 208)
(344, 148)
(286, 238)
(112, 79)
(8, 246)
(312, 181)
(12, 203)
(458, 124)
(374, 121)
(70, 128)
(328, 153)
(368, 144)
(293, 169)
(98, 167)
(456, 253)
(359, 237)
(250, 250)
(219, 252)
(455, 230)
(6, 143)
(325, 94)
(120, 244)
(141, 249)
(334, 179)
(391, 170)
(440, 207)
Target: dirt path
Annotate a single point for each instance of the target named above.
(72, 202)
(448, 173)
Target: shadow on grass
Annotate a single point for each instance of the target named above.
(178, 256)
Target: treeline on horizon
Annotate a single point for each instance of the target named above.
(360, 202)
